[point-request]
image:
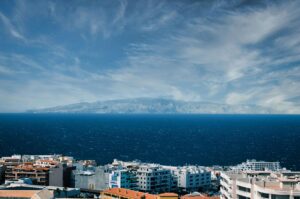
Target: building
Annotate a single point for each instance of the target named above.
(39, 175)
(61, 175)
(2, 174)
(92, 179)
(191, 178)
(26, 194)
(9, 163)
(254, 165)
(57, 192)
(197, 195)
(153, 178)
(123, 179)
(120, 193)
(260, 185)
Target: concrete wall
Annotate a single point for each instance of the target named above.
(56, 176)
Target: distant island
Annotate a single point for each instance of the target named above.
(155, 106)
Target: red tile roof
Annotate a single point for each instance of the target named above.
(29, 167)
(168, 195)
(18, 193)
(191, 196)
(126, 193)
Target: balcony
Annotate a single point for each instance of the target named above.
(243, 193)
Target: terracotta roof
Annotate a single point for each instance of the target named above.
(18, 193)
(191, 196)
(126, 193)
(29, 167)
(169, 195)
(50, 161)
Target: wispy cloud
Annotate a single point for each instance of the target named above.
(10, 27)
(233, 52)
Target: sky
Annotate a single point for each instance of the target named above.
(228, 52)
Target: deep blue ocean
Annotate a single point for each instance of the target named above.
(165, 139)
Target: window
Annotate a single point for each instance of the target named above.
(280, 196)
(242, 197)
(263, 195)
(245, 189)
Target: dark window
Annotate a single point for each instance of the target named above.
(245, 189)
(264, 195)
(242, 197)
(280, 196)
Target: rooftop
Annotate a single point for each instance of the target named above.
(30, 167)
(197, 195)
(169, 195)
(126, 193)
(23, 193)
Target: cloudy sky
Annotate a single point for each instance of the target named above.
(230, 52)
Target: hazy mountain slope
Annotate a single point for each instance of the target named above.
(149, 105)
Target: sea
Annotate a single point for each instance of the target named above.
(166, 139)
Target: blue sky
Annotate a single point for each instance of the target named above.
(230, 52)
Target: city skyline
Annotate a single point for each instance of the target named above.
(227, 52)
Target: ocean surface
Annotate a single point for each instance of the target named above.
(165, 139)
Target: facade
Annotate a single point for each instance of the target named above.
(153, 178)
(253, 165)
(123, 179)
(61, 175)
(31, 166)
(260, 185)
(56, 176)
(119, 193)
(39, 175)
(85, 180)
(93, 179)
(9, 163)
(2, 174)
(191, 178)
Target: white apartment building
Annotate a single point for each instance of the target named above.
(260, 185)
(254, 165)
(153, 178)
(191, 178)
(56, 157)
(157, 178)
(123, 179)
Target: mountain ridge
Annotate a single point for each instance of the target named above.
(154, 106)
